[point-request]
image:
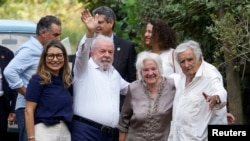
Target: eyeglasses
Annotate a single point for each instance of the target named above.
(50, 56)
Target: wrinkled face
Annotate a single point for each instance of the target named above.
(103, 27)
(189, 63)
(103, 54)
(53, 34)
(54, 60)
(150, 72)
(148, 34)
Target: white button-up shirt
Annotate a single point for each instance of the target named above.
(191, 112)
(96, 92)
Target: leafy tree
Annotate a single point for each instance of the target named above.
(33, 10)
(231, 30)
(221, 27)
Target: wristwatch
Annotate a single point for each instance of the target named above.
(217, 98)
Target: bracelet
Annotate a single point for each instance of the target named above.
(31, 137)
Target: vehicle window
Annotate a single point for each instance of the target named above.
(13, 40)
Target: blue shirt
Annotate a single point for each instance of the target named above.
(54, 102)
(23, 66)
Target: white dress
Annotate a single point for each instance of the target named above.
(169, 63)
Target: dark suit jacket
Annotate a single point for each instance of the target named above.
(124, 61)
(9, 95)
(8, 100)
(124, 58)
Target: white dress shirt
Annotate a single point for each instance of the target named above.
(96, 92)
(191, 112)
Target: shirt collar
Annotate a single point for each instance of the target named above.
(112, 37)
(92, 63)
(200, 70)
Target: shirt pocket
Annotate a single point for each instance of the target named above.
(196, 107)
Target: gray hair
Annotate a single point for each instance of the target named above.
(101, 38)
(189, 44)
(46, 22)
(145, 55)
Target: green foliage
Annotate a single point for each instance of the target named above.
(217, 31)
(232, 29)
(192, 19)
(218, 25)
(127, 24)
(185, 17)
(33, 10)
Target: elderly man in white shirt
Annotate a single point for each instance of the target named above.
(200, 98)
(97, 86)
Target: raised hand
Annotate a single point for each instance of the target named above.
(90, 22)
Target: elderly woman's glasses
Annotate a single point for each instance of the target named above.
(51, 56)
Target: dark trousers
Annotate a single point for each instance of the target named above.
(3, 120)
(81, 131)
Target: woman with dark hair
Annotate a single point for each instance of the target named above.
(48, 110)
(159, 38)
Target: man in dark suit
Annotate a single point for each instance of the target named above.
(124, 61)
(7, 96)
(124, 58)
(125, 54)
